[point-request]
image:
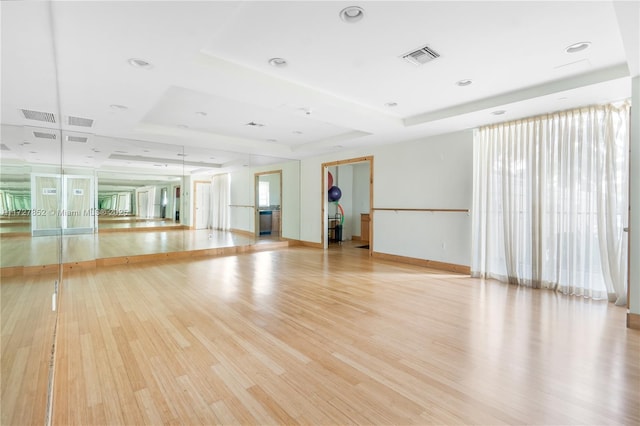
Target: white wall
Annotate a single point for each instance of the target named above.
(242, 195)
(431, 173)
(185, 201)
(360, 194)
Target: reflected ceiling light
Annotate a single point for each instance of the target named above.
(117, 107)
(352, 14)
(140, 63)
(498, 112)
(278, 62)
(578, 47)
(464, 82)
(391, 104)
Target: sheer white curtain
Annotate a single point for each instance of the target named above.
(220, 199)
(550, 201)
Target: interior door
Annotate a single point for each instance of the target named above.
(78, 205)
(46, 204)
(203, 205)
(143, 203)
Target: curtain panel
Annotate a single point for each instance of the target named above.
(220, 199)
(550, 201)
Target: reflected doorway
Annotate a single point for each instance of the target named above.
(163, 203)
(268, 202)
(202, 200)
(143, 204)
(176, 203)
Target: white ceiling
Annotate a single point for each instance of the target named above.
(71, 59)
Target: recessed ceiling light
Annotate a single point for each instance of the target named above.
(140, 63)
(278, 62)
(498, 112)
(578, 47)
(391, 104)
(201, 113)
(464, 82)
(117, 107)
(352, 14)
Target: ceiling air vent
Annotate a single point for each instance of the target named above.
(79, 121)
(81, 139)
(3, 147)
(38, 115)
(44, 135)
(421, 56)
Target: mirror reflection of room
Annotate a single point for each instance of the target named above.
(269, 204)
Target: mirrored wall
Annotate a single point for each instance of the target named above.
(136, 201)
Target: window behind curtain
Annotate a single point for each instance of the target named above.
(551, 201)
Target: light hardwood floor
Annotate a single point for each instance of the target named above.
(45, 250)
(26, 340)
(301, 335)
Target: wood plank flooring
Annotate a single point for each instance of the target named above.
(45, 250)
(305, 336)
(26, 340)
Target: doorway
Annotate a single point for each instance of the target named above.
(143, 204)
(163, 203)
(357, 217)
(176, 203)
(268, 202)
